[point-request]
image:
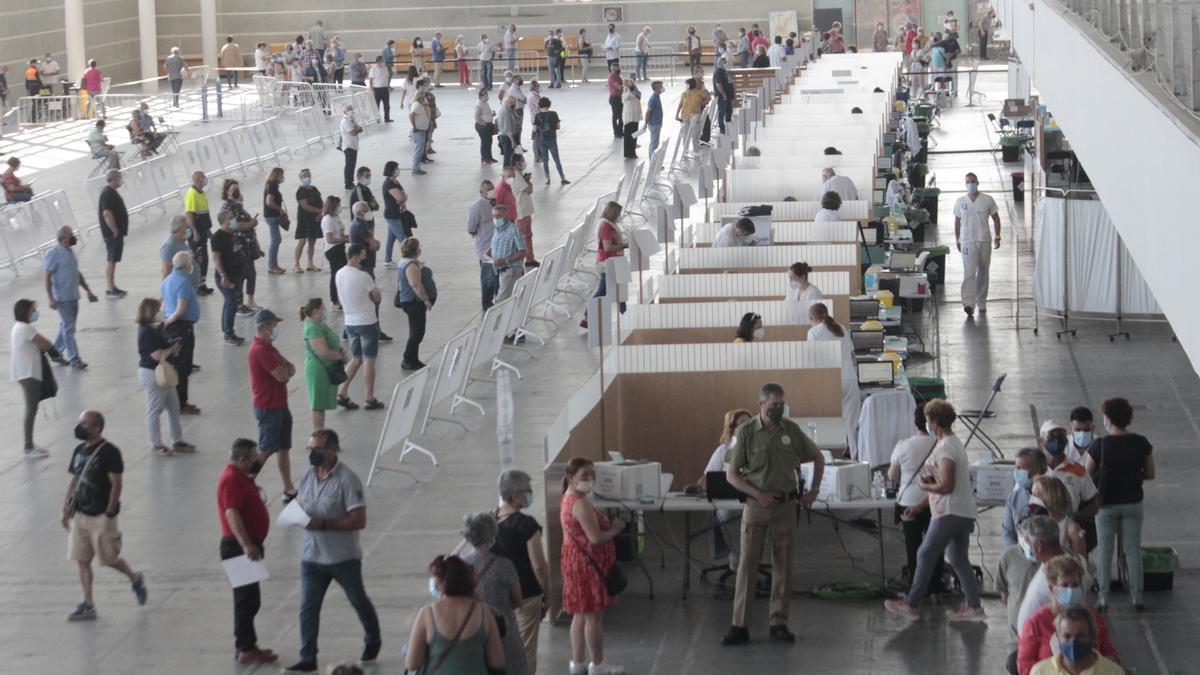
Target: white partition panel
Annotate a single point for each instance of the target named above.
(795, 232)
(751, 285)
(744, 185)
(814, 162)
(400, 420)
(815, 147)
(801, 118)
(830, 135)
(785, 211)
(452, 372)
(817, 255)
(832, 98)
(728, 356)
(707, 314)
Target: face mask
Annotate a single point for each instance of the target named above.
(972, 188)
(1082, 439)
(583, 486)
(1075, 650)
(33, 317)
(316, 457)
(306, 181)
(490, 194)
(528, 500)
(1069, 596)
(1055, 446)
(775, 413)
(759, 333)
(81, 432)
(792, 283)
(1028, 551)
(72, 241)
(366, 182)
(1022, 479)
(499, 222)
(275, 334)
(255, 467)
(433, 589)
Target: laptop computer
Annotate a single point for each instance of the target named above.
(716, 486)
(876, 374)
(867, 340)
(861, 310)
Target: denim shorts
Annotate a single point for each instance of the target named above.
(364, 340)
(274, 429)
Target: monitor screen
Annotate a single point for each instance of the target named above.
(869, 340)
(875, 372)
(864, 309)
(898, 260)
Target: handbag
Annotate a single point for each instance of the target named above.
(165, 375)
(336, 370)
(615, 580)
(49, 384)
(284, 220)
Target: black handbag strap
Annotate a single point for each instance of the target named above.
(918, 471)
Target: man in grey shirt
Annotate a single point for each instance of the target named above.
(480, 227)
(332, 495)
(175, 67)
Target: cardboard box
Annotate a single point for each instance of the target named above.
(628, 480)
(992, 482)
(843, 480)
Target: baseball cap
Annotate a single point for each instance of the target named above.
(1050, 425)
(265, 316)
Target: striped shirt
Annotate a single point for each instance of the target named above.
(507, 241)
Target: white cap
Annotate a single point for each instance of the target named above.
(1050, 425)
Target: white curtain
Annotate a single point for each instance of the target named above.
(1081, 264)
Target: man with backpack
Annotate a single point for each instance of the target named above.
(90, 511)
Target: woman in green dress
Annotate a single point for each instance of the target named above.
(322, 349)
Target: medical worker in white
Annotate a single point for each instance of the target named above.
(971, 236)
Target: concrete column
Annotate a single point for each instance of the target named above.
(148, 43)
(76, 50)
(208, 32)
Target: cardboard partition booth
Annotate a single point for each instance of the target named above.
(756, 286)
(711, 322)
(790, 211)
(794, 232)
(770, 184)
(821, 257)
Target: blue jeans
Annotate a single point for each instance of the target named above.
(552, 64)
(314, 581)
(489, 283)
(602, 289)
(418, 139)
(395, 233)
(1126, 519)
(68, 310)
(548, 148)
(512, 58)
(232, 298)
(276, 239)
(951, 535)
(744, 59)
(655, 130)
(643, 62)
(485, 75)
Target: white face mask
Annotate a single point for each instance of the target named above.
(793, 283)
(490, 194)
(583, 486)
(759, 333)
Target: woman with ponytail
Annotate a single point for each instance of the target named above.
(823, 327)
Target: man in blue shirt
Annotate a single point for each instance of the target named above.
(507, 251)
(1030, 464)
(63, 281)
(181, 307)
(654, 114)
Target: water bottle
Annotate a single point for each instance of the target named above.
(878, 490)
(812, 430)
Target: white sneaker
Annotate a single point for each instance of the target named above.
(578, 668)
(604, 669)
(36, 453)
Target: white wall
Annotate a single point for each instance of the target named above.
(1141, 157)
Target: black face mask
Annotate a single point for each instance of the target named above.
(316, 457)
(81, 432)
(775, 413)
(255, 467)
(72, 241)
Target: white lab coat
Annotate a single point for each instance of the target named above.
(726, 237)
(799, 300)
(851, 397)
(827, 216)
(843, 186)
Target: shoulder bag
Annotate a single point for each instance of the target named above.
(49, 384)
(615, 580)
(336, 370)
(284, 220)
(84, 490)
(165, 375)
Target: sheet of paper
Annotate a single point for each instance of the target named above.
(292, 515)
(639, 132)
(243, 571)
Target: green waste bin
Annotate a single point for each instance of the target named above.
(1010, 148)
(1158, 568)
(925, 389)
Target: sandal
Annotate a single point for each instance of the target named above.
(346, 403)
(373, 404)
(289, 496)
(162, 451)
(298, 270)
(314, 268)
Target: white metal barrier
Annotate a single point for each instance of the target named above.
(29, 229)
(144, 185)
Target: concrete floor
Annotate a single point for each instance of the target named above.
(170, 530)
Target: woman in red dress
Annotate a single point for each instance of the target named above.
(587, 555)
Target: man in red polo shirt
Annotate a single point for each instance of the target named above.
(244, 524)
(269, 374)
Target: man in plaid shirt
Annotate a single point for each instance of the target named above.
(507, 251)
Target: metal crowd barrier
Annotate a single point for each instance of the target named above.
(293, 96)
(29, 229)
(242, 146)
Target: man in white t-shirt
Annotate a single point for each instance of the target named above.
(776, 52)
(842, 185)
(359, 295)
(381, 87)
(612, 46)
(971, 214)
(737, 233)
